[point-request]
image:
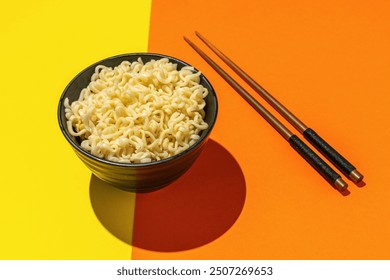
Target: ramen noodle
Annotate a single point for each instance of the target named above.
(139, 112)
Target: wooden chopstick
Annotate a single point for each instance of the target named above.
(309, 155)
(319, 143)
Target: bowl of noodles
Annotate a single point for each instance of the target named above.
(138, 121)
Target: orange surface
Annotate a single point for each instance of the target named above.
(329, 62)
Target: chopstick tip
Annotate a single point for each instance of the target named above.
(186, 39)
(199, 35)
(189, 41)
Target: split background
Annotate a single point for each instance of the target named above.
(249, 196)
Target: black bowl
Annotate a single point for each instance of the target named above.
(137, 177)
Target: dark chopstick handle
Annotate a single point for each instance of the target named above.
(317, 163)
(332, 155)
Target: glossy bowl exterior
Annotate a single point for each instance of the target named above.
(137, 177)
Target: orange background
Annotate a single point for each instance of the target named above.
(329, 63)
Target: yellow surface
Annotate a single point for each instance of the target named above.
(45, 203)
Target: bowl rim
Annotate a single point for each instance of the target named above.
(76, 146)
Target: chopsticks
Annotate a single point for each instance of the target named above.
(319, 143)
(309, 155)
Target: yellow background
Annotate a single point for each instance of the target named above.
(45, 209)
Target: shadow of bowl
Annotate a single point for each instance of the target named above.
(194, 210)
